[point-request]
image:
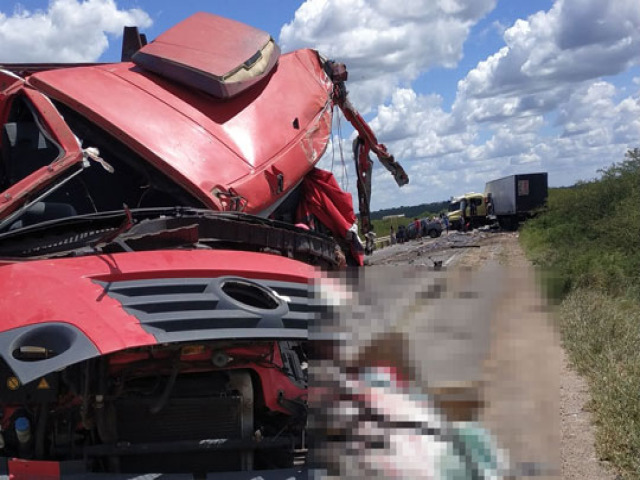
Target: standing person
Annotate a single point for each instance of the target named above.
(392, 235)
(400, 235)
(489, 204)
(473, 212)
(418, 226)
(463, 215)
(370, 243)
(445, 221)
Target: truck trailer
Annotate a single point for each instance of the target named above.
(515, 198)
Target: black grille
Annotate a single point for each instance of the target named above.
(180, 309)
(180, 419)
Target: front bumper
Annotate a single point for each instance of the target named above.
(16, 469)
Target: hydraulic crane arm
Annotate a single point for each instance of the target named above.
(364, 143)
(369, 139)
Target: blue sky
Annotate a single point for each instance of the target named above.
(461, 91)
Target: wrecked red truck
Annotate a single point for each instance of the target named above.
(161, 227)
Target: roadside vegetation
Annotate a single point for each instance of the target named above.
(412, 211)
(588, 245)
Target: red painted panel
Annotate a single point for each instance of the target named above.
(203, 142)
(206, 52)
(63, 290)
(33, 470)
(208, 43)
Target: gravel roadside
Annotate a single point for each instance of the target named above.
(579, 460)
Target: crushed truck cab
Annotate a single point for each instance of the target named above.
(162, 225)
(472, 206)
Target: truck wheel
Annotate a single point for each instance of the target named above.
(433, 233)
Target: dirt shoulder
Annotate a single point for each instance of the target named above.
(533, 402)
(522, 370)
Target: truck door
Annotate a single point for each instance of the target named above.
(480, 210)
(37, 148)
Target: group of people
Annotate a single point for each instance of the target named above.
(419, 227)
(400, 236)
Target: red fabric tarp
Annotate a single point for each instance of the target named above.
(323, 198)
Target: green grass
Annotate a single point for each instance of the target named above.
(602, 336)
(588, 245)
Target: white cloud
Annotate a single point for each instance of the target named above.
(577, 40)
(552, 65)
(68, 31)
(593, 127)
(591, 117)
(384, 46)
(540, 103)
(418, 127)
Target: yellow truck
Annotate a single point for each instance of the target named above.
(473, 205)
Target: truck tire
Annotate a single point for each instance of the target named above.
(433, 233)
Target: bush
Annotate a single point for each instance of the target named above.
(590, 234)
(588, 242)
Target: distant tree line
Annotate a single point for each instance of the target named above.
(411, 212)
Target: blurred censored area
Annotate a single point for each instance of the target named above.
(419, 373)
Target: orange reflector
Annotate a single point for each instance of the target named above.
(192, 350)
(13, 383)
(43, 384)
